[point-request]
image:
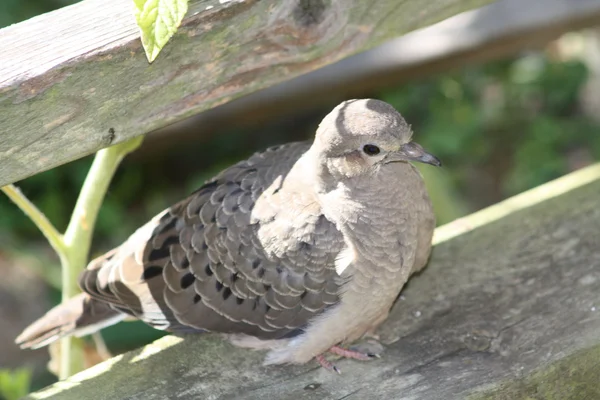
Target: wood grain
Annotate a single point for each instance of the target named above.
(70, 78)
(497, 30)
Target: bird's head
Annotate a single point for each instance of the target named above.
(361, 136)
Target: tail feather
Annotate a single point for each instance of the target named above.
(80, 315)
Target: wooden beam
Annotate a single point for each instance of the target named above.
(76, 80)
(497, 30)
(508, 308)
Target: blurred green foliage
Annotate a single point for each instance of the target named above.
(503, 127)
(13, 11)
(14, 384)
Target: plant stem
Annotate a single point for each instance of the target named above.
(73, 247)
(36, 216)
(78, 236)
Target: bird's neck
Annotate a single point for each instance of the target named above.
(379, 227)
(372, 211)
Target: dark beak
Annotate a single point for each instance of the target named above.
(413, 152)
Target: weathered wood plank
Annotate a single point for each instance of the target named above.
(496, 30)
(508, 308)
(76, 80)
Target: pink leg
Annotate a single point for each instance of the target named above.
(357, 355)
(340, 351)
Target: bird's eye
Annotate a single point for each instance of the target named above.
(371, 150)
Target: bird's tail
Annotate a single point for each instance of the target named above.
(80, 315)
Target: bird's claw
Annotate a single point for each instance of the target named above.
(346, 353)
(328, 365)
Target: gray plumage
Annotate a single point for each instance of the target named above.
(297, 249)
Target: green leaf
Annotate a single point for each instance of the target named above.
(158, 21)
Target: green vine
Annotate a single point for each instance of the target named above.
(73, 247)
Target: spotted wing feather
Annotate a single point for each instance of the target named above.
(242, 254)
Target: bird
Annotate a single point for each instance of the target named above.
(299, 250)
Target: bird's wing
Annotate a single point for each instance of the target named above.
(249, 252)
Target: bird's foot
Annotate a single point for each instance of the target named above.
(346, 353)
(355, 354)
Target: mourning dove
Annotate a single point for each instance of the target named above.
(298, 250)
